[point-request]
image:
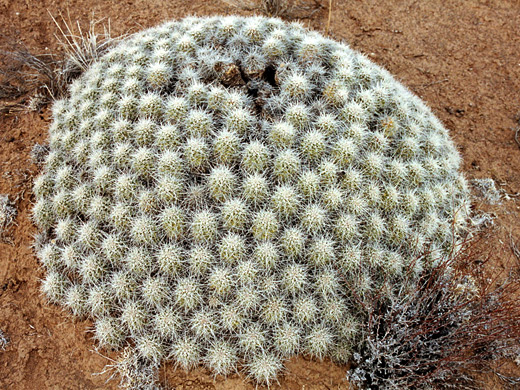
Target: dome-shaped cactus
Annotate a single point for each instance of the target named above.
(213, 184)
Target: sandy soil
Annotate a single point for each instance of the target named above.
(461, 57)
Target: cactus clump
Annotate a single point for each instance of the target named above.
(215, 187)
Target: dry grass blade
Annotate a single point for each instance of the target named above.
(133, 372)
(82, 48)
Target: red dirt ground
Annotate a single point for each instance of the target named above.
(461, 57)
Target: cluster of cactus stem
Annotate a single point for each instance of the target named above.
(213, 186)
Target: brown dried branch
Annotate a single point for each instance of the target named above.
(435, 330)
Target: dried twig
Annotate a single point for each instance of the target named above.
(24, 73)
(329, 18)
(4, 340)
(7, 215)
(514, 247)
(514, 381)
(46, 76)
(280, 8)
(438, 328)
(267, 7)
(426, 85)
(133, 372)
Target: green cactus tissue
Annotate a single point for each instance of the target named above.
(212, 184)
